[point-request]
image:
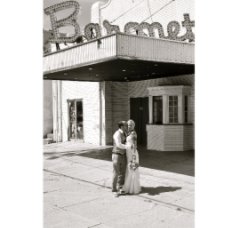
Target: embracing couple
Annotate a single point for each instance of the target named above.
(125, 160)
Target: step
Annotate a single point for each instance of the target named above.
(50, 135)
(47, 141)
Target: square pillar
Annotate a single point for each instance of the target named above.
(150, 109)
(180, 109)
(165, 109)
(57, 110)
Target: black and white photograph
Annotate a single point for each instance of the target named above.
(103, 123)
(118, 135)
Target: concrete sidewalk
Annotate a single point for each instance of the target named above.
(77, 193)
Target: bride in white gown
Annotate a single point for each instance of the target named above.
(132, 176)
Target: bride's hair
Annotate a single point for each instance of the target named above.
(132, 122)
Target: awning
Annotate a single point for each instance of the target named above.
(120, 57)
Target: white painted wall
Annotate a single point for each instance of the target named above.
(89, 93)
(48, 108)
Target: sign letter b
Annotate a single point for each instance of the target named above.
(70, 20)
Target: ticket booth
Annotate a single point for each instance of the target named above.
(170, 125)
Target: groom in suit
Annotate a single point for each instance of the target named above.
(119, 158)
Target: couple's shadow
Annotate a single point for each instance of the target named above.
(157, 190)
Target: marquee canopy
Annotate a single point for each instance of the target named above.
(120, 57)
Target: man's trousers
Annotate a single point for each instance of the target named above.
(119, 168)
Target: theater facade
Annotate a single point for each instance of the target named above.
(121, 76)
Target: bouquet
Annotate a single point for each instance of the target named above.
(133, 164)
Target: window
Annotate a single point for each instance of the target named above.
(157, 110)
(173, 109)
(170, 104)
(185, 109)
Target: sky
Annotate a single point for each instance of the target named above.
(178, 7)
(83, 17)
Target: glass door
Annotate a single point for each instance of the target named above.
(75, 111)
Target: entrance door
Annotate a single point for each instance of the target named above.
(75, 112)
(139, 113)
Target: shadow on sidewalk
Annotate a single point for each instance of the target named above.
(73, 153)
(157, 190)
(177, 162)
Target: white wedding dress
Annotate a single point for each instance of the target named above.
(132, 177)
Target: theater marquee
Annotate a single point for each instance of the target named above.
(93, 30)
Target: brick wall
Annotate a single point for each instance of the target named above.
(120, 104)
(117, 101)
(114, 101)
(116, 107)
(170, 137)
(121, 92)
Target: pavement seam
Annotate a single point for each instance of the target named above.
(169, 205)
(51, 191)
(95, 225)
(75, 178)
(86, 201)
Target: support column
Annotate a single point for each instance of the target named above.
(150, 109)
(181, 109)
(106, 133)
(60, 130)
(102, 113)
(191, 109)
(57, 110)
(165, 109)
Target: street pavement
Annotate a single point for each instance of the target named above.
(77, 189)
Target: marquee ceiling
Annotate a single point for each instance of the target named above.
(117, 69)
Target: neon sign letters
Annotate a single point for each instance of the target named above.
(93, 30)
